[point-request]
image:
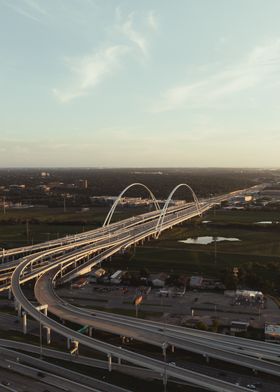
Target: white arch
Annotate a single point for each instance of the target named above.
(166, 205)
(112, 210)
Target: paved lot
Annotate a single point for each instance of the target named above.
(205, 305)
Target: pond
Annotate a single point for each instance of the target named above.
(266, 222)
(207, 240)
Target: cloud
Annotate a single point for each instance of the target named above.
(35, 6)
(28, 8)
(127, 28)
(152, 21)
(258, 66)
(90, 70)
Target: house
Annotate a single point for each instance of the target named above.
(116, 277)
(196, 282)
(272, 333)
(239, 326)
(158, 280)
(94, 275)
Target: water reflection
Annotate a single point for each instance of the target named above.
(207, 240)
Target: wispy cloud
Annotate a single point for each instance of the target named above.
(259, 65)
(30, 9)
(127, 28)
(90, 70)
(152, 21)
(35, 6)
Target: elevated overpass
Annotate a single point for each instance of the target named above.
(66, 259)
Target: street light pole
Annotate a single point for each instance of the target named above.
(41, 347)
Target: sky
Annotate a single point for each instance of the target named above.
(150, 83)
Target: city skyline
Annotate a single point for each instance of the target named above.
(130, 84)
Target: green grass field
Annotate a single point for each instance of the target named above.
(51, 223)
(257, 244)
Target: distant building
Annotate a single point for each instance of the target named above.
(83, 184)
(239, 326)
(164, 292)
(79, 283)
(124, 201)
(250, 294)
(272, 193)
(158, 280)
(56, 184)
(96, 274)
(272, 333)
(17, 187)
(241, 199)
(116, 277)
(43, 188)
(45, 174)
(196, 282)
(103, 200)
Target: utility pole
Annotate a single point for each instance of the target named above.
(41, 338)
(215, 250)
(27, 230)
(64, 204)
(4, 205)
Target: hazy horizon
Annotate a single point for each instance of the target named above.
(121, 84)
(268, 168)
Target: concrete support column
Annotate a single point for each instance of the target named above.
(10, 294)
(68, 343)
(119, 361)
(24, 321)
(206, 358)
(172, 348)
(19, 311)
(48, 335)
(90, 331)
(110, 362)
(164, 380)
(164, 347)
(45, 311)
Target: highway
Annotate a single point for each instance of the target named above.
(145, 331)
(80, 359)
(54, 374)
(68, 260)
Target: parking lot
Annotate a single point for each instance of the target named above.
(193, 304)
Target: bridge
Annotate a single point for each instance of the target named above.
(56, 262)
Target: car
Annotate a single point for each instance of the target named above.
(172, 363)
(251, 386)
